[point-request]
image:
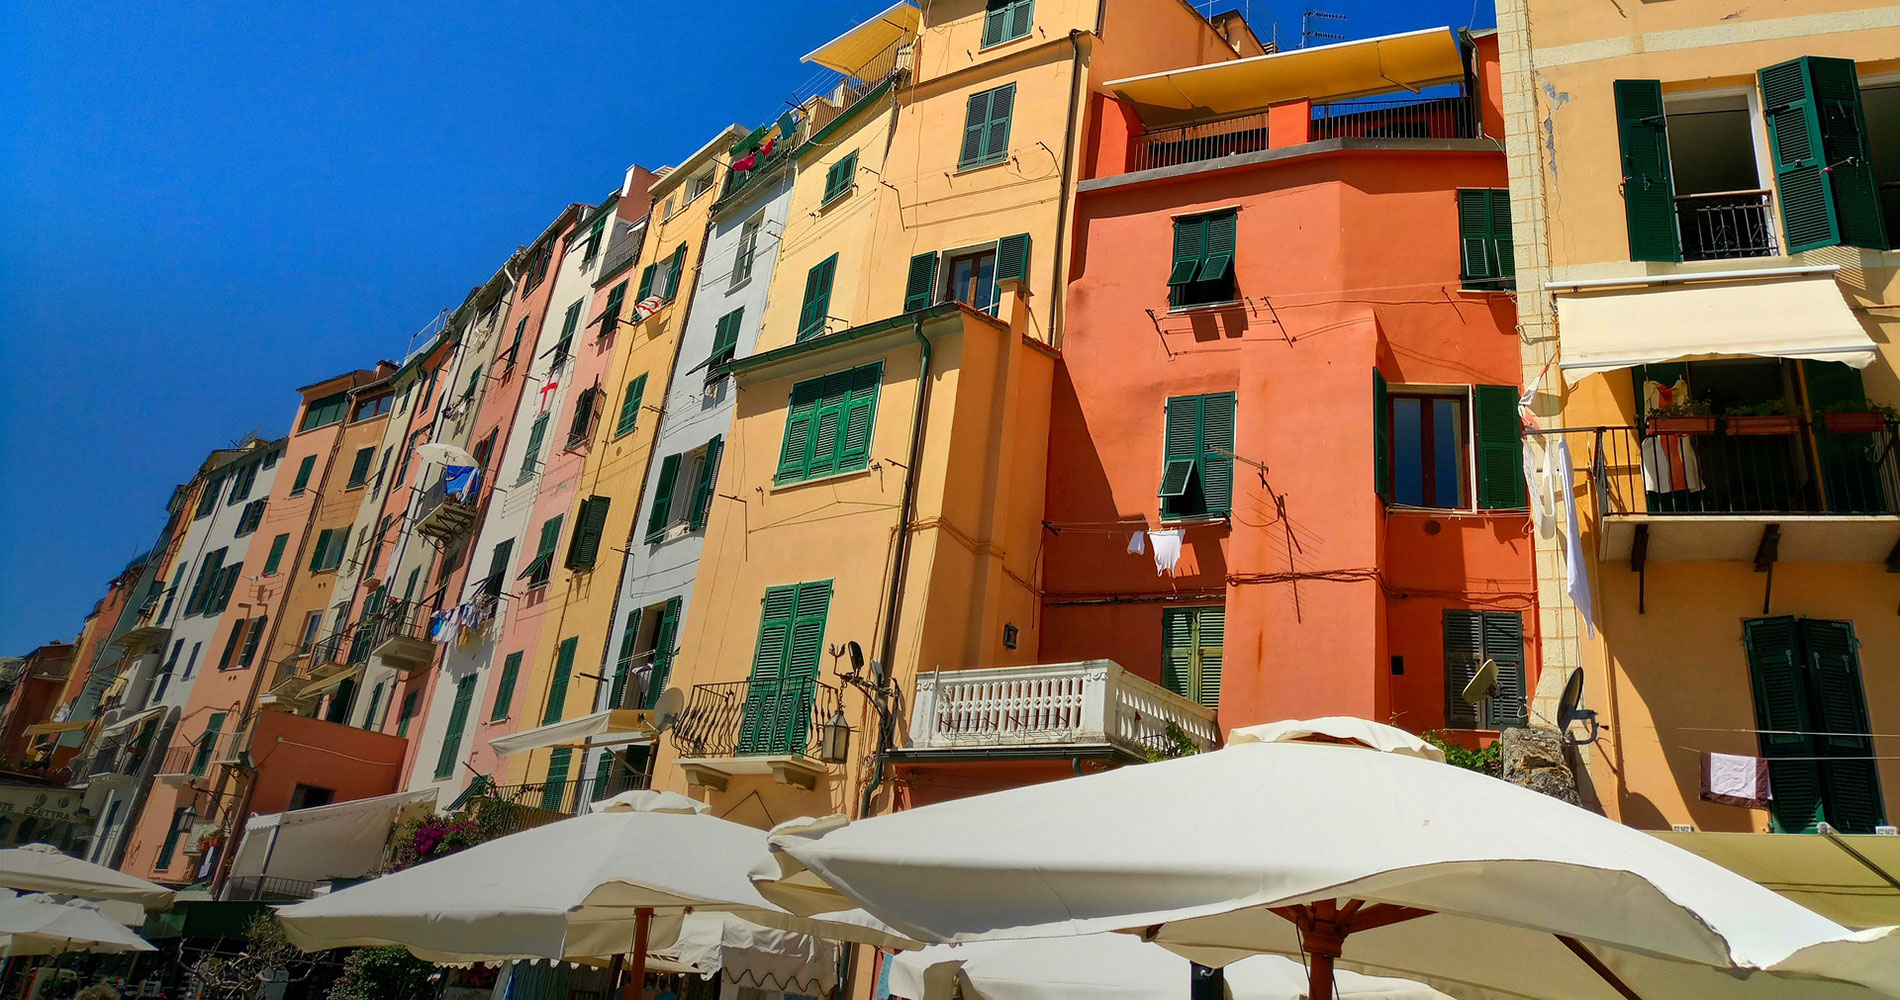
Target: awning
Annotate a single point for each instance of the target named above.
(332, 681)
(1846, 878)
(344, 840)
(855, 52)
(132, 720)
(1799, 314)
(576, 732)
(52, 728)
(1410, 61)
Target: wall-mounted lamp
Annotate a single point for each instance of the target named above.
(834, 739)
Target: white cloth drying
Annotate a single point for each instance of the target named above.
(1576, 574)
(1166, 543)
(1138, 543)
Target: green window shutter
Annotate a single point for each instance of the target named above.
(860, 417)
(1824, 172)
(840, 177)
(256, 635)
(1849, 472)
(708, 478)
(533, 453)
(375, 702)
(276, 555)
(339, 544)
(799, 687)
(1002, 107)
(458, 721)
(603, 775)
(1177, 642)
(976, 123)
(1215, 470)
(590, 524)
(170, 847)
(663, 499)
(1851, 781)
(214, 726)
(623, 666)
(675, 270)
(1503, 244)
(407, 713)
(557, 686)
(1478, 263)
(316, 555)
(505, 690)
(1211, 642)
(1190, 241)
(577, 432)
(1781, 710)
(1500, 436)
(920, 289)
(817, 304)
(1007, 20)
(1012, 258)
(1504, 644)
(304, 469)
(1217, 249)
(800, 416)
(1193, 639)
(231, 645)
(610, 316)
(768, 665)
(725, 341)
(646, 282)
(1181, 452)
(204, 592)
(1649, 188)
(359, 470)
(1464, 651)
(828, 425)
(665, 640)
(550, 536)
(630, 406)
(554, 790)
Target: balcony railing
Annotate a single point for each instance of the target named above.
(398, 631)
(198, 758)
(1091, 703)
(1403, 118)
(446, 516)
(1757, 466)
(740, 719)
(1167, 147)
(1726, 225)
(267, 887)
(567, 797)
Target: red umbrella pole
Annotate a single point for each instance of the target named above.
(637, 977)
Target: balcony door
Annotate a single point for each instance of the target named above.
(783, 688)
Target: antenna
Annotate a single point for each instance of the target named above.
(1308, 31)
(666, 710)
(1569, 709)
(1483, 684)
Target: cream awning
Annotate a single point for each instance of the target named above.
(866, 51)
(1603, 328)
(342, 840)
(332, 681)
(52, 728)
(1410, 61)
(1821, 873)
(131, 720)
(576, 732)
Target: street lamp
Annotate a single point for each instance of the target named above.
(834, 739)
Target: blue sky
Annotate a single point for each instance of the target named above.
(203, 207)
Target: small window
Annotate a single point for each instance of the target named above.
(1430, 450)
(276, 555)
(1449, 448)
(630, 406)
(675, 273)
(1006, 20)
(971, 279)
(1202, 271)
(683, 494)
(1486, 251)
(1472, 637)
(829, 423)
(986, 121)
(373, 407)
(700, 183)
(208, 497)
(243, 478)
(1197, 474)
(513, 353)
(1193, 639)
(1812, 724)
(816, 307)
(324, 412)
(841, 178)
(359, 469)
(249, 520)
(748, 249)
(304, 470)
(312, 626)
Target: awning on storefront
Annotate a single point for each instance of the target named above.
(851, 52)
(132, 720)
(630, 722)
(1411, 61)
(54, 728)
(344, 840)
(1847, 878)
(1792, 313)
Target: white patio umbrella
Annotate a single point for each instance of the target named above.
(42, 868)
(747, 954)
(1108, 967)
(39, 925)
(586, 888)
(1300, 838)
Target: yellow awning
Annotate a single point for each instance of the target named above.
(1799, 313)
(132, 720)
(1410, 61)
(867, 51)
(1834, 876)
(54, 728)
(329, 682)
(577, 732)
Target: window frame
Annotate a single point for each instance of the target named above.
(994, 12)
(745, 256)
(841, 178)
(1192, 471)
(863, 386)
(1467, 444)
(1179, 283)
(985, 155)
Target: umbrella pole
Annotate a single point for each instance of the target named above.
(1324, 925)
(637, 977)
(1596, 965)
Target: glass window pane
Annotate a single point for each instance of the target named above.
(1447, 440)
(1408, 451)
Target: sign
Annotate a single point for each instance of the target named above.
(55, 805)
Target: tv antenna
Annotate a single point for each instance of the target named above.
(1569, 710)
(1309, 31)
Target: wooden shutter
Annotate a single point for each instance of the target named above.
(630, 406)
(407, 713)
(976, 121)
(665, 638)
(1504, 644)
(703, 487)
(1177, 641)
(768, 664)
(1478, 265)
(1850, 471)
(801, 666)
(201, 760)
(251, 640)
(623, 665)
(1021, 15)
(1503, 244)
(801, 414)
(616, 300)
(498, 561)
(1217, 251)
(1190, 237)
(663, 498)
(725, 341)
(1181, 451)
(646, 282)
(1850, 781)
(1214, 470)
(1210, 642)
(841, 176)
(304, 469)
(1464, 650)
(544, 554)
(920, 288)
(276, 555)
(590, 523)
(817, 304)
(1500, 437)
(359, 469)
(828, 424)
(583, 416)
(1781, 710)
(1012, 258)
(1649, 189)
(675, 271)
(996, 140)
(996, 21)
(536, 432)
(554, 790)
(1817, 134)
(226, 658)
(557, 685)
(860, 417)
(505, 688)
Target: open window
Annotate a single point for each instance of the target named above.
(1448, 447)
(1881, 103)
(683, 495)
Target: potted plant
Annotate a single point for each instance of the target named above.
(1773, 416)
(1686, 416)
(1847, 417)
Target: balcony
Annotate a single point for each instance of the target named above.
(1435, 118)
(1726, 225)
(1761, 489)
(113, 761)
(268, 888)
(186, 762)
(1053, 710)
(739, 728)
(537, 802)
(1168, 147)
(449, 509)
(147, 634)
(1402, 118)
(397, 633)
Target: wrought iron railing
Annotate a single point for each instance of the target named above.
(741, 719)
(1167, 147)
(196, 758)
(1726, 225)
(266, 887)
(394, 619)
(568, 796)
(1759, 465)
(1401, 118)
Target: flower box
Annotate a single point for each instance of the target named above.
(1855, 423)
(1682, 425)
(1760, 426)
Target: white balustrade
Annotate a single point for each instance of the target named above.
(1088, 703)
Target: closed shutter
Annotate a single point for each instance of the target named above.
(1012, 258)
(675, 271)
(1817, 135)
(590, 523)
(616, 300)
(1781, 711)
(799, 690)
(1217, 252)
(1210, 640)
(1177, 641)
(1850, 780)
(725, 341)
(630, 406)
(408, 712)
(1504, 645)
(860, 416)
(1181, 449)
(768, 663)
(646, 282)
(1477, 253)
(532, 455)
(828, 425)
(1464, 651)
(359, 469)
(498, 564)
(976, 123)
(1189, 237)
(920, 288)
(505, 689)
(304, 469)
(375, 702)
(214, 726)
(623, 665)
(1500, 437)
(840, 178)
(210, 575)
(1215, 470)
(1502, 242)
(1007, 20)
(665, 642)
(708, 478)
(554, 792)
(557, 686)
(663, 498)
(276, 555)
(1649, 189)
(795, 453)
(996, 140)
(817, 304)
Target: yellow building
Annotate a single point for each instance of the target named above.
(1701, 198)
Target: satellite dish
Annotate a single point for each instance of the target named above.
(667, 709)
(1569, 710)
(1483, 683)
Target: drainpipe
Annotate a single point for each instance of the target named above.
(1056, 279)
(888, 647)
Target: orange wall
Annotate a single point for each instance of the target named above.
(290, 749)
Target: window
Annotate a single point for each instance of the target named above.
(817, 304)
(474, 383)
(256, 635)
(538, 267)
(359, 469)
(569, 323)
(249, 520)
(610, 313)
(554, 789)
(373, 407)
(328, 552)
(1881, 105)
(779, 694)
(648, 279)
(505, 689)
(1484, 240)
(276, 554)
(1197, 476)
(973, 276)
(1472, 637)
(312, 625)
(304, 469)
(541, 566)
(828, 424)
(242, 479)
(748, 249)
(1811, 707)
(208, 497)
(683, 495)
(1203, 269)
(972, 280)
(182, 818)
(986, 127)
(583, 426)
(646, 655)
(1432, 446)
(513, 353)
(207, 744)
(497, 567)
(324, 412)
(1191, 665)
(1006, 20)
(841, 178)
(231, 644)
(557, 685)
(590, 524)
(304, 796)
(532, 456)
(270, 460)
(382, 473)
(699, 184)
(592, 248)
(630, 406)
(675, 271)
(210, 577)
(408, 712)
(484, 450)
(458, 721)
(725, 342)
